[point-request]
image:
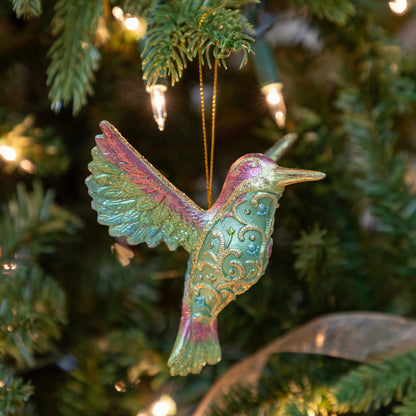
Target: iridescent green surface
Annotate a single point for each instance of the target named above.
(229, 244)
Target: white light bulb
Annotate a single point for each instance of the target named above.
(8, 268)
(399, 6)
(8, 153)
(132, 23)
(165, 406)
(275, 102)
(157, 97)
(280, 118)
(273, 97)
(118, 13)
(28, 166)
(160, 409)
(159, 100)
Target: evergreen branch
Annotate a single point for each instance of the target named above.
(27, 8)
(375, 385)
(32, 310)
(408, 406)
(74, 57)
(86, 390)
(316, 252)
(286, 398)
(31, 223)
(135, 8)
(291, 408)
(335, 11)
(237, 401)
(172, 39)
(381, 173)
(13, 392)
(320, 263)
(368, 119)
(44, 153)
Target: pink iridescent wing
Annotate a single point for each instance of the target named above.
(135, 200)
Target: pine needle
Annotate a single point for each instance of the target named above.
(27, 8)
(172, 37)
(74, 56)
(375, 385)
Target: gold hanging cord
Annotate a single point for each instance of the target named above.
(209, 166)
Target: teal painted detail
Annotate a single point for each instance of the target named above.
(263, 209)
(200, 302)
(234, 254)
(253, 249)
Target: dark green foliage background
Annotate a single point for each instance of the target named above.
(346, 243)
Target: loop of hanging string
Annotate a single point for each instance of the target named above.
(209, 167)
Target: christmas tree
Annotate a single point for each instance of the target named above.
(87, 321)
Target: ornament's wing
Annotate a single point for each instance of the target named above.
(135, 200)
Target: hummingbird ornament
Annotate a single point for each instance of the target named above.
(229, 244)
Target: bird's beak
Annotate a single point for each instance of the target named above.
(287, 176)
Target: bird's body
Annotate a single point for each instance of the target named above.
(229, 244)
(230, 257)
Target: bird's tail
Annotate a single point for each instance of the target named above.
(196, 345)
